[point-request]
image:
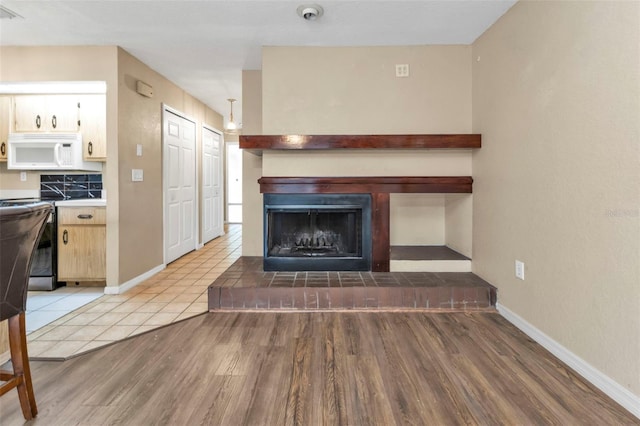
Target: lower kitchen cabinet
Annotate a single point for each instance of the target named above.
(81, 244)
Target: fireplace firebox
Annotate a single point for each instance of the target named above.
(317, 232)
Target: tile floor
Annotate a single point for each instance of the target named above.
(176, 293)
(44, 307)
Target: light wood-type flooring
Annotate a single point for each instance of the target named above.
(318, 368)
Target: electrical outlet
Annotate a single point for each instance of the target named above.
(402, 70)
(520, 270)
(23, 176)
(137, 175)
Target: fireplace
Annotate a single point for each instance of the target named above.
(317, 232)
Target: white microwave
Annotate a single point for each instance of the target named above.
(47, 151)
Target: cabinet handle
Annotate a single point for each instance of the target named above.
(54, 121)
(90, 148)
(65, 237)
(38, 121)
(85, 216)
(3, 149)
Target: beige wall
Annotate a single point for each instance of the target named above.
(458, 223)
(326, 90)
(78, 63)
(355, 91)
(140, 210)
(134, 211)
(251, 165)
(407, 210)
(556, 96)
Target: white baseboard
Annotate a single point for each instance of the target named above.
(430, 266)
(600, 380)
(133, 282)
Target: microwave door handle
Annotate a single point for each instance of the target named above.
(56, 154)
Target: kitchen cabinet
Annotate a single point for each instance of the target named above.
(46, 113)
(81, 244)
(93, 125)
(5, 120)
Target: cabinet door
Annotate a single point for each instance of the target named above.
(5, 117)
(81, 253)
(29, 112)
(46, 113)
(93, 125)
(62, 113)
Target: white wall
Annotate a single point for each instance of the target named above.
(556, 96)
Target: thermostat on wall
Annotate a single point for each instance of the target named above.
(144, 89)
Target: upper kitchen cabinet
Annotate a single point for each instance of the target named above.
(46, 113)
(5, 119)
(93, 125)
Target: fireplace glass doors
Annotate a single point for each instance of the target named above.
(317, 232)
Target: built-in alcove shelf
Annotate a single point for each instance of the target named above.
(380, 188)
(257, 143)
(428, 259)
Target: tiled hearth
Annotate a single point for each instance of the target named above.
(245, 286)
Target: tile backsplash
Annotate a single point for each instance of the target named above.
(70, 187)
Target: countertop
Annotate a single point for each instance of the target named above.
(85, 202)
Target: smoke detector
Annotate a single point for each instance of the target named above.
(310, 12)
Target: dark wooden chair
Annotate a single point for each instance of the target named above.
(20, 231)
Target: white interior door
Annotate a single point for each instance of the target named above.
(180, 185)
(234, 183)
(212, 222)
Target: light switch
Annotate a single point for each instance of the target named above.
(139, 150)
(137, 175)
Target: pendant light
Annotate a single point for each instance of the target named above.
(231, 125)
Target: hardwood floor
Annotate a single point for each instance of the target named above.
(319, 368)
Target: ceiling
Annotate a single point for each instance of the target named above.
(203, 46)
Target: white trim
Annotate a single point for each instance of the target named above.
(218, 231)
(196, 219)
(134, 281)
(613, 389)
(52, 87)
(430, 266)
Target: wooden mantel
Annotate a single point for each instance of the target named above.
(380, 188)
(366, 184)
(258, 143)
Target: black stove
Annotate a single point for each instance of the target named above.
(44, 267)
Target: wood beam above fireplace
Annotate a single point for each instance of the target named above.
(258, 143)
(379, 187)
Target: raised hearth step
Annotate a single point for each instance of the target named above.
(245, 286)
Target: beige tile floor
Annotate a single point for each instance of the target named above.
(176, 293)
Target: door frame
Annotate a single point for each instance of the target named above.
(196, 224)
(222, 171)
(226, 180)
